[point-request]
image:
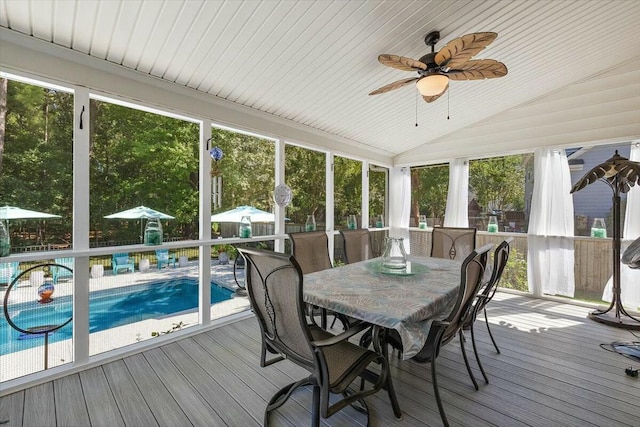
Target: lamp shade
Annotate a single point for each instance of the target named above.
(432, 85)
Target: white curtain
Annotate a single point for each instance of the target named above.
(629, 278)
(550, 237)
(456, 213)
(400, 204)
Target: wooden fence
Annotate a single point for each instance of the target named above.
(593, 263)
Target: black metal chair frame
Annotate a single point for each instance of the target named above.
(485, 295)
(443, 331)
(318, 364)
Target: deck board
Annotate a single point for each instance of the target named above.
(133, 407)
(101, 405)
(11, 408)
(552, 371)
(71, 409)
(163, 406)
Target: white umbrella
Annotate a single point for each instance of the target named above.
(235, 215)
(140, 212)
(12, 212)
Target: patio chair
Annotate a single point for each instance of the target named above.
(8, 272)
(485, 295)
(122, 261)
(275, 288)
(163, 257)
(311, 251)
(443, 331)
(61, 272)
(452, 242)
(357, 245)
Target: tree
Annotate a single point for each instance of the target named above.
(3, 117)
(498, 183)
(429, 187)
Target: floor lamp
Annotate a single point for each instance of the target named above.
(620, 174)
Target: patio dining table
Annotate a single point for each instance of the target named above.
(406, 302)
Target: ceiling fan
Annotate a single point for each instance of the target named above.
(452, 62)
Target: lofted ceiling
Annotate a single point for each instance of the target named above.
(574, 66)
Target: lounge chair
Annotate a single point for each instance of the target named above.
(8, 272)
(164, 258)
(122, 261)
(61, 272)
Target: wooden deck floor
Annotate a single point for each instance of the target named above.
(551, 372)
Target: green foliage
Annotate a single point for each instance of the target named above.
(514, 275)
(248, 170)
(429, 187)
(347, 177)
(498, 183)
(174, 327)
(141, 158)
(305, 172)
(377, 192)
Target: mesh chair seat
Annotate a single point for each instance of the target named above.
(311, 250)
(357, 245)
(452, 242)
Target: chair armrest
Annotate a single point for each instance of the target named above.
(353, 330)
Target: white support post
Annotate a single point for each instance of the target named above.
(204, 259)
(330, 202)
(81, 121)
(279, 179)
(364, 217)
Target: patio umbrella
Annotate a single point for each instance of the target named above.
(12, 212)
(140, 212)
(235, 215)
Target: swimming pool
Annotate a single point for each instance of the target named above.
(107, 309)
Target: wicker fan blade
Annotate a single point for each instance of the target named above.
(627, 171)
(485, 65)
(394, 85)
(460, 50)
(478, 70)
(401, 63)
(429, 99)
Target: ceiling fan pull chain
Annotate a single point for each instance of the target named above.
(416, 109)
(448, 93)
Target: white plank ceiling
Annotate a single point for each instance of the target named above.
(314, 62)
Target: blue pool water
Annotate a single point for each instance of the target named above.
(107, 309)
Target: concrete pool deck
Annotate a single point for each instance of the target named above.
(17, 364)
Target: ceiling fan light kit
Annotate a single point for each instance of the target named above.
(432, 85)
(452, 62)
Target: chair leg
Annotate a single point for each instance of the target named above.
(466, 360)
(475, 351)
(489, 329)
(315, 410)
(437, 393)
